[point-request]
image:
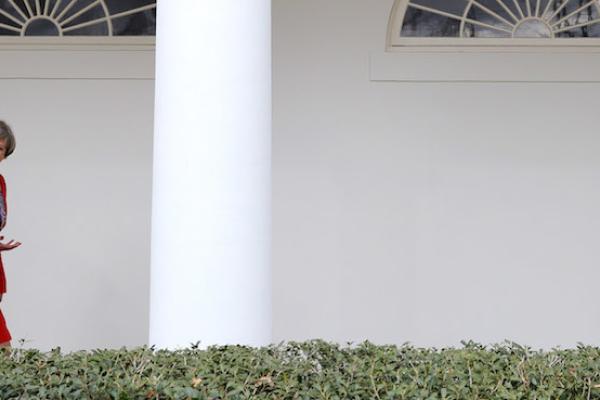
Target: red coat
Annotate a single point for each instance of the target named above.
(3, 194)
(2, 276)
(4, 332)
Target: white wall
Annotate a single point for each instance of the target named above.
(423, 212)
(426, 212)
(79, 193)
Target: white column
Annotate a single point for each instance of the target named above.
(210, 278)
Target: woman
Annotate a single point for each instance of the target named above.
(7, 146)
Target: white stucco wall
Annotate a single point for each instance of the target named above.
(426, 212)
(422, 212)
(79, 193)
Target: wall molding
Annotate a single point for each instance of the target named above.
(77, 43)
(82, 63)
(486, 65)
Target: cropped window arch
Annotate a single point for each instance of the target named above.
(77, 18)
(494, 22)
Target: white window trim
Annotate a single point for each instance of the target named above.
(67, 14)
(396, 43)
(489, 44)
(78, 43)
(418, 59)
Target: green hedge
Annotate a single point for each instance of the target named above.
(309, 370)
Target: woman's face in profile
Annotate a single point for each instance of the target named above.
(2, 149)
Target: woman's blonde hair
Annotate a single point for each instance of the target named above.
(6, 134)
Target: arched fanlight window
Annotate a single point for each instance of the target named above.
(507, 21)
(77, 17)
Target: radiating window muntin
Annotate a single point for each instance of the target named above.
(77, 17)
(509, 22)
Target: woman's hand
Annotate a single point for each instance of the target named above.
(8, 246)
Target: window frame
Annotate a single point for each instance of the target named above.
(41, 11)
(397, 43)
